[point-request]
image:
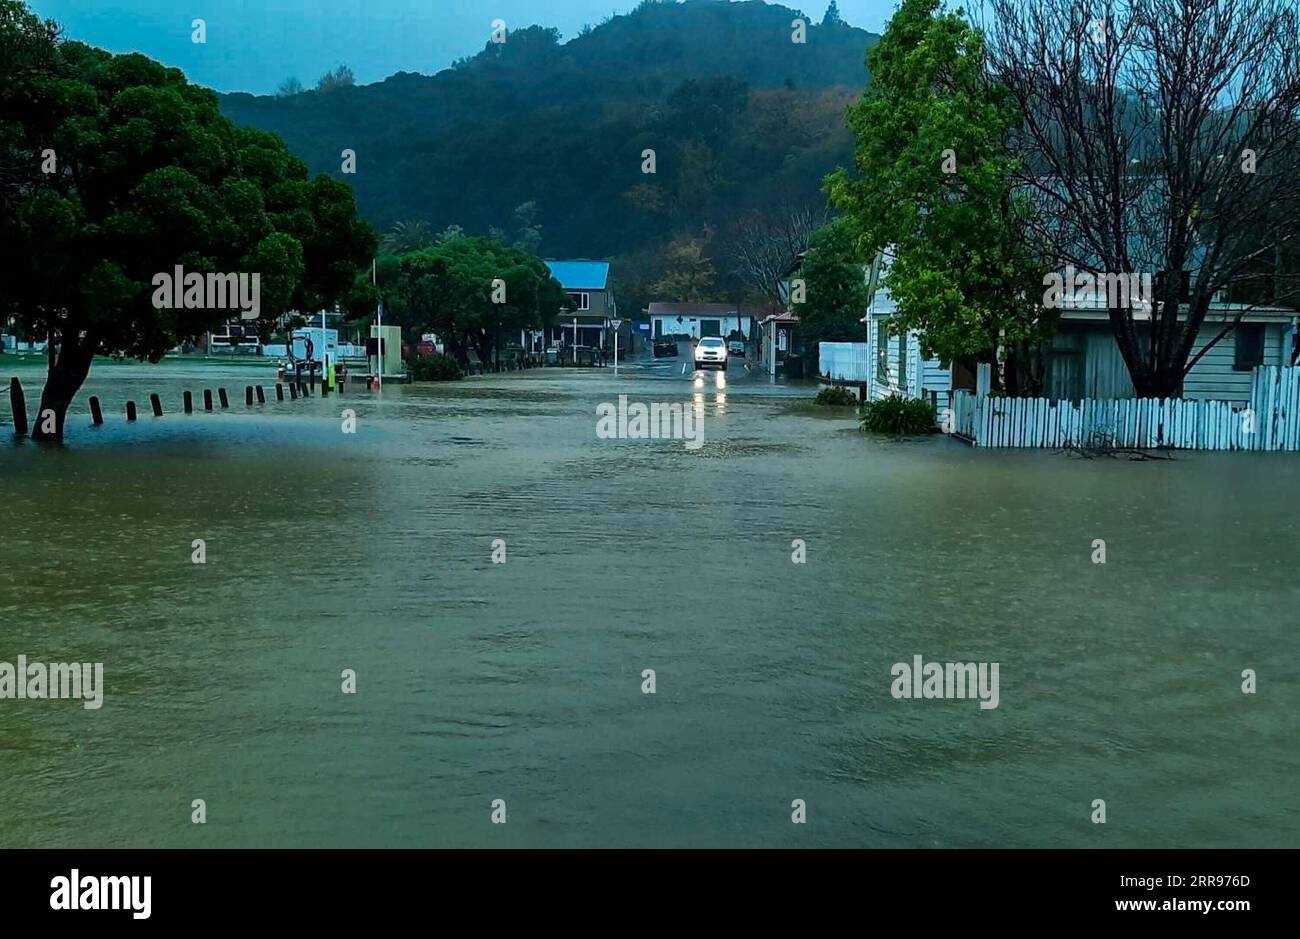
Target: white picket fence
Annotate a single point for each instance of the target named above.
(1269, 421)
(844, 361)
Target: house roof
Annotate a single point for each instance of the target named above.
(694, 309)
(580, 275)
(1094, 308)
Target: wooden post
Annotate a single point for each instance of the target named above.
(207, 399)
(983, 379)
(324, 388)
(248, 396)
(261, 395)
(156, 402)
(302, 389)
(18, 405)
(293, 391)
(225, 401)
(279, 392)
(96, 412)
(130, 410)
(189, 402)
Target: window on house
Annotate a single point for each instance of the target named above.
(1249, 345)
(882, 351)
(902, 361)
(581, 301)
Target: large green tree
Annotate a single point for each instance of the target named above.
(835, 293)
(117, 169)
(473, 292)
(934, 189)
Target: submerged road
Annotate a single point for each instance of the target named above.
(523, 681)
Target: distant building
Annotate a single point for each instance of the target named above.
(591, 291)
(780, 339)
(699, 319)
(235, 336)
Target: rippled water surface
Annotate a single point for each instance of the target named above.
(522, 681)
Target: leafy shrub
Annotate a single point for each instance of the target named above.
(899, 416)
(435, 367)
(836, 397)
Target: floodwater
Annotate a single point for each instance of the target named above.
(522, 681)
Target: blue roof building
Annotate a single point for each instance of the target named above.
(581, 275)
(591, 293)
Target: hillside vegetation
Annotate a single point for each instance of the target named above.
(743, 122)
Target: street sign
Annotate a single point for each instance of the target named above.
(615, 324)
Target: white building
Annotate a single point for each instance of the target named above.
(894, 362)
(696, 320)
(887, 363)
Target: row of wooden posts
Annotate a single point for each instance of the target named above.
(18, 401)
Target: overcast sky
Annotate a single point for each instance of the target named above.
(253, 45)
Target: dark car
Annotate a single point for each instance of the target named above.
(665, 347)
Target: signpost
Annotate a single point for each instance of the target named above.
(379, 322)
(615, 324)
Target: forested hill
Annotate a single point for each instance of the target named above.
(739, 116)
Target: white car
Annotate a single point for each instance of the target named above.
(711, 352)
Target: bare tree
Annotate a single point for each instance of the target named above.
(1160, 137)
(766, 244)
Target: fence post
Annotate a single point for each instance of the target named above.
(261, 395)
(18, 405)
(207, 399)
(189, 402)
(130, 410)
(983, 379)
(248, 396)
(96, 412)
(279, 392)
(156, 403)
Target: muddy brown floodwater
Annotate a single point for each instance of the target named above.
(523, 681)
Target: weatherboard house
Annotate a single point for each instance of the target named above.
(890, 362)
(697, 320)
(591, 293)
(894, 363)
(1082, 360)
